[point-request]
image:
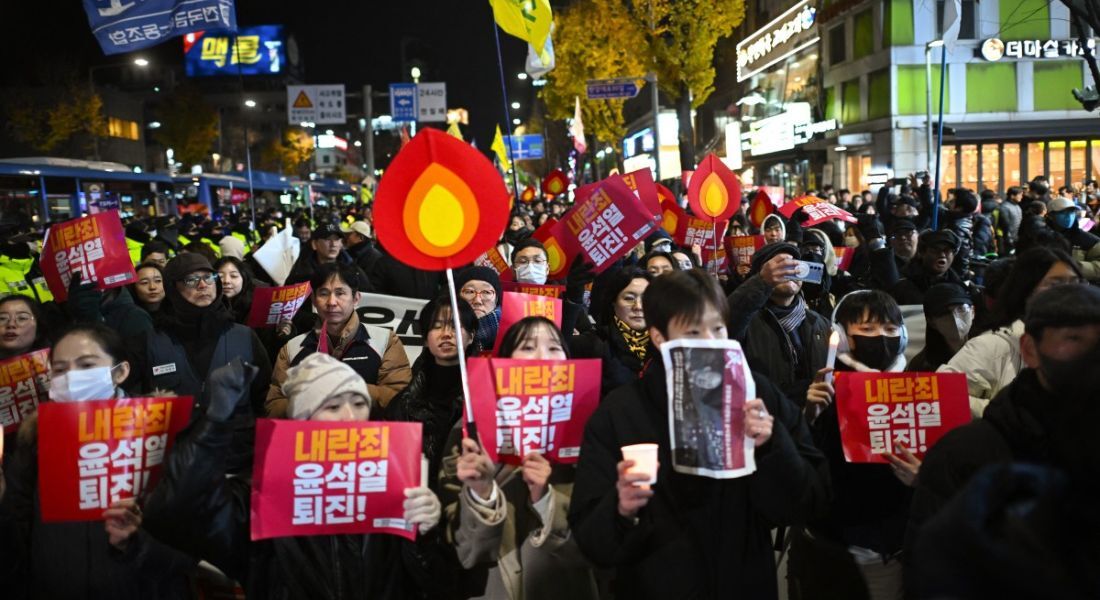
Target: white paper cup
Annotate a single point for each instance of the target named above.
(645, 461)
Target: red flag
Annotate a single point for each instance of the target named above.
(558, 260)
(714, 192)
(555, 183)
(528, 194)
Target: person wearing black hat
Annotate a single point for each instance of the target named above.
(781, 336)
(936, 251)
(903, 238)
(949, 313)
(480, 286)
(193, 334)
(327, 246)
(1046, 416)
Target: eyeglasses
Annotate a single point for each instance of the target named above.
(470, 293)
(20, 319)
(192, 281)
(523, 262)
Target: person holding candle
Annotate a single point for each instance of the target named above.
(687, 536)
(509, 524)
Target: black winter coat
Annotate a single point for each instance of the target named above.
(765, 343)
(698, 537)
(433, 398)
(395, 278)
(76, 560)
(196, 508)
(619, 366)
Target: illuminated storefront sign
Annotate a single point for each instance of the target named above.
(794, 30)
(785, 131)
(994, 49)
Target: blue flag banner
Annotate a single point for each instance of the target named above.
(128, 25)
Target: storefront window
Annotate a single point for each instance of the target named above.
(1036, 164)
(947, 167)
(991, 168)
(1095, 148)
(1057, 157)
(1077, 162)
(801, 84)
(969, 162)
(1012, 175)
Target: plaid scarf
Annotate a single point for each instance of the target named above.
(790, 317)
(636, 341)
(487, 327)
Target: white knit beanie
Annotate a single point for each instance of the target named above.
(316, 379)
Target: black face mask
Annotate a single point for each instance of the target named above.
(514, 237)
(876, 351)
(1074, 378)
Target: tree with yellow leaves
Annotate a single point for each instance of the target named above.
(674, 38)
(288, 155)
(593, 39)
(76, 116)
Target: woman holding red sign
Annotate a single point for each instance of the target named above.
(197, 508)
(112, 559)
(515, 518)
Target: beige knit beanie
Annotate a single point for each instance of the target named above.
(316, 379)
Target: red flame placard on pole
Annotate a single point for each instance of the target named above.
(555, 183)
(441, 204)
(714, 192)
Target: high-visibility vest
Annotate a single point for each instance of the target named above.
(213, 246)
(134, 248)
(13, 279)
(244, 240)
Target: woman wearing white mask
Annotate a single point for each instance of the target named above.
(112, 559)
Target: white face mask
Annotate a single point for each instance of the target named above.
(83, 385)
(532, 273)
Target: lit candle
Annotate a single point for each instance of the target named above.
(830, 359)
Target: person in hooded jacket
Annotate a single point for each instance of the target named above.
(1047, 416)
(949, 314)
(1062, 217)
(434, 395)
(112, 558)
(774, 229)
(854, 549)
(199, 510)
(620, 338)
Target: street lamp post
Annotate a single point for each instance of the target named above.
(137, 62)
(928, 99)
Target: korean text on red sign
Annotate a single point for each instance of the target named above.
(314, 478)
(882, 412)
(273, 305)
(516, 306)
(24, 383)
(91, 454)
(607, 224)
(524, 406)
(817, 210)
(94, 246)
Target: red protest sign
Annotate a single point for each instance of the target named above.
(741, 247)
(524, 406)
(273, 305)
(671, 214)
(91, 454)
(642, 184)
(606, 225)
(515, 307)
(558, 260)
(692, 231)
(94, 246)
(24, 383)
(817, 209)
(549, 291)
(709, 259)
(493, 259)
(326, 478)
(844, 257)
(880, 412)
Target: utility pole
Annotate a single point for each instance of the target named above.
(368, 113)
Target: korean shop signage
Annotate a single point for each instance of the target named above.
(794, 30)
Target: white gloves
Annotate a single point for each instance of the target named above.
(422, 507)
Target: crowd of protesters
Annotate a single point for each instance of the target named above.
(1002, 507)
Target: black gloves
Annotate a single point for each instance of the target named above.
(580, 275)
(84, 300)
(227, 385)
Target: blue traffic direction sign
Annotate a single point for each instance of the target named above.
(404, 101)
(525, 147)
(609, 89)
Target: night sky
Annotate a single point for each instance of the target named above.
(350, 42)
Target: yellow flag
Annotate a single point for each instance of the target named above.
(454, 130)
(501, 150)
(529, 20)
